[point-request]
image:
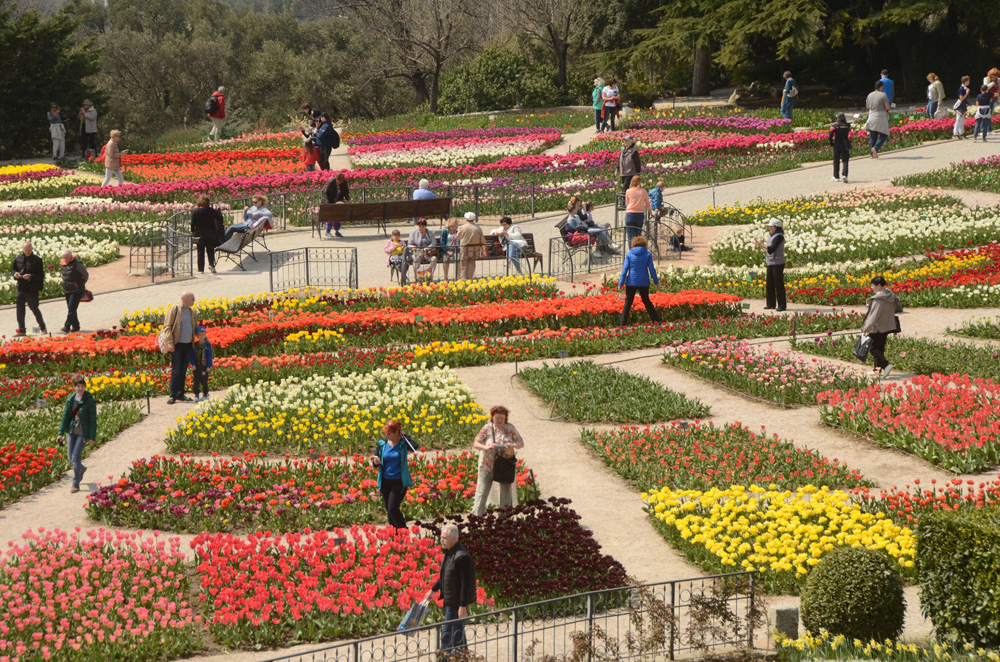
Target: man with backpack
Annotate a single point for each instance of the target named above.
(215, 108)
(327, 139)
(789, 95)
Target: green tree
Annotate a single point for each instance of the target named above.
(43, 65)
(490, 82)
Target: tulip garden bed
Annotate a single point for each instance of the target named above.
(533, 552)
(836, 235)
(949, 420)
(33, 182)
(97, 596)
(127, 374)
(30, 459)
(333, 414)
(908, 504)
(984, 327)
(248, 492)
(978, 175)
(703, 456)
(910, 355)
(781, 533)
(778, 377)
(825, 646)
(588, 392)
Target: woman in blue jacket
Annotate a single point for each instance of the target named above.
(636, 274)
(391, 458)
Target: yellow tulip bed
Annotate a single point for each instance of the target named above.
(826, 646)
(781, 533)
(332, 414)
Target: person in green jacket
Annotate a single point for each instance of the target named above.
(391, 458)
(79, 425)
(598, 102)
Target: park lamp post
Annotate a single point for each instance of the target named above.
(517, 106)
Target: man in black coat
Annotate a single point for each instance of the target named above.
(457, 583)
(840, 140)
(74, 281)
(29, 272)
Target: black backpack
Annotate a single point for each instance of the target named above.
(212, 105)
(336, 139)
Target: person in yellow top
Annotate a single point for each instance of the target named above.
(394, 251)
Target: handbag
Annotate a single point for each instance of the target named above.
(897, 329)
(504, 468)
(862, 346)
(87, 297)
(958, 104)
(165, 340)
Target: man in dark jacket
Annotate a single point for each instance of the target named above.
(327, 140)
(774, 258)
(457, 583)
(629, 164)
(208, 227)
(74, 279)
(840, 140)
(29, 272)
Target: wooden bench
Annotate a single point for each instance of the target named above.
(234, 248)
(494, 249)
(380, 212)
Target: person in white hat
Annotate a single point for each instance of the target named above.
(774, 258)
(470, 242)
(88, 133)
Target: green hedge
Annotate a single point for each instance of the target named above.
(958, 556)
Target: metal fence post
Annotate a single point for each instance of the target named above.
(270, 271)
(503, 201)
(750, 614)
(514, 624)
(673, 621)
(475, 193)
(357, 651)
(307, 267)
(152, 264)
(362, 194)
(532, 199)
(590, 623)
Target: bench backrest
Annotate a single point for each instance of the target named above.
(494, 245)
(380, 211)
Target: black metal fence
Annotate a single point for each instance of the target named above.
(161, 249)
(567, 261)
(461, 263)
(314, 267)
(659, 621)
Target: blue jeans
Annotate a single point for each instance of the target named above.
(181, 358)
(310, 167)
(633, 228)
(876, 139)
(983, 125)
(598, 120)
(786, 107)
(74, 451)
(452, 631)
(610, 112)
(72, 303)
(932, 107)
(239, 227)
(514, 252)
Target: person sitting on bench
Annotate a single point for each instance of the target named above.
(251, 216)
(423, 247)
(599, 232)
(516, 244)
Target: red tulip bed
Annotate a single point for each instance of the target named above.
(908, 504)
(96, 596)
(240, 493)
(702, 456)
(949, 420)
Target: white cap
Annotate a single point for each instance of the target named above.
(470, 216)
(773, 222)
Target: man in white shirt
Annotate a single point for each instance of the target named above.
(516, 244)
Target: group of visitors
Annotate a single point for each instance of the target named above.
(29, 274)
(459, 244)
(607, 104)
(187, 343)
(87, 130)
(319, 138)
(209, 230)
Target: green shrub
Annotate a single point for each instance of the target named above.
(856, 592)
(489, 82)
(958, 557)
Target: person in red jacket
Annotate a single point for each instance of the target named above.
(309, 154)
(219, 116)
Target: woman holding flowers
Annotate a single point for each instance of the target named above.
(391, 458)
(79, 425)
(497, 438)
(880, 321)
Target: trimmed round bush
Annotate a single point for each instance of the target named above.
(856, 592)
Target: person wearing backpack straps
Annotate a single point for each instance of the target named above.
(497, 438)
(215, 108)
(789, 95)
(79, 426)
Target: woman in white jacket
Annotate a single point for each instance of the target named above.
(935, 95)
(516, 243)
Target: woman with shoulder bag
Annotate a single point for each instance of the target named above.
(496, 443)
(392, 459)
(879, 322)
(79, 426)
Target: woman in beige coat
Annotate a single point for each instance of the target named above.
(113, 159)
(879, 322)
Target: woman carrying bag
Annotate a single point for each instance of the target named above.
(496, 443)
(79, 425)
(879, 322)
(392, 459)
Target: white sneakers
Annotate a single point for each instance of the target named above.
(887, 371)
